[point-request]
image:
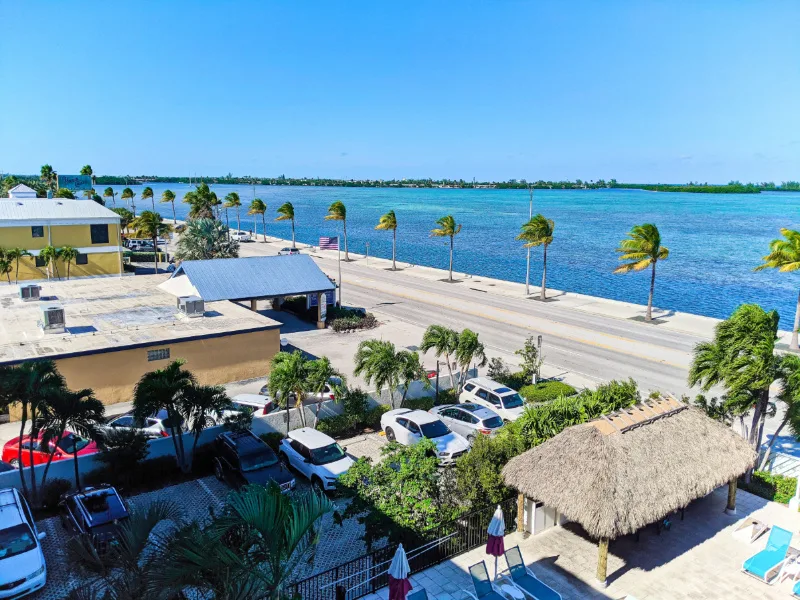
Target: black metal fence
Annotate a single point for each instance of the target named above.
(367, 573)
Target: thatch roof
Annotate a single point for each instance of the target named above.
(619, 473)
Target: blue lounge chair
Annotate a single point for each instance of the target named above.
(767, 563)
(419, 594)
(796, 590)
(524, 580)
(484, 588)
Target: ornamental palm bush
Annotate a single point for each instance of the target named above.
(642, 249)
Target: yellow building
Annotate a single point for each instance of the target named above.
(34, 223)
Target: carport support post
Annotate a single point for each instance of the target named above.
(520, 512)
(254, 304)
(602, 561)
(320, 322)
(730, 509)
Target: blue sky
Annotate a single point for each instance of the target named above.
(639, 91)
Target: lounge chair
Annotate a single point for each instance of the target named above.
(484, 588)
(522, 578)
(771, 559)
(419, 594)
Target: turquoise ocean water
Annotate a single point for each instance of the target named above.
(715, 240)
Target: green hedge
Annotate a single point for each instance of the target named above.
(145, 256)
(353, 323)
(348, 425)
(778, 488)
(545, 391)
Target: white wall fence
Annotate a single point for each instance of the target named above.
(273, 422)
(782, 464)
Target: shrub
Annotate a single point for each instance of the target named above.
(610, 397)
(498, 370)
(778, 488)
(354, 401)
(123, 449)
(478, 477)
(273, 439)
(339, 426)
(448, 396)
(145, 257)
(545, 391)
(423, 403)
(372, 419)
(51, 494)
(353, 323)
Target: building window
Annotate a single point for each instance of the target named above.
(160, 354)
(39, 261)
(82, 259)
(37, 231)
(99, 234)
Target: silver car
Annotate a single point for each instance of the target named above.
(469, 420)
(154, 426)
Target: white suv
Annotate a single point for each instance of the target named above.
(22, 566)
(315, 455)
(487, 392)
(408, 427)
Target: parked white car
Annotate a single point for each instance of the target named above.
(285, 251)
(317, 456)
(241, 236)
(22, 565)
(327, 393)
(495, 396)
(408, 427)
(255, 403)
(469, 420)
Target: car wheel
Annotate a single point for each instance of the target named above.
(471, 439)
(390, 435)
(14, 462)
(219, 472)
(317, 484)
(284, 459)
(210, 422)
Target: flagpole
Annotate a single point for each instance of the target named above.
(339, 246)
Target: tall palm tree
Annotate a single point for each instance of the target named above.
(288, 378)
(447, 228)
(643, 249)
(151, 225)
(6, 265)
(15, 254)
(469, 349)
(338, 212)
(784, 255)
(380, 362)
(232, 200)
(50, 256)
(286, 212)
(205, 238)
(444, 342)
(77, 411)
(164, 389)
(201, 405)
(388, 222)
(87, 170)
(148, 193)
(48, 177)
(790, 397)
(539, 232)
(215, 204)
(201, 201)
(320, 371)
(110, 193)
(68, 254)
(411, 370)
(168, 197)
(259, 207)
(129, 194)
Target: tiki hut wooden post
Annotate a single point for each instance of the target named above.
(521, 513)
(602, 561)
(730, 508)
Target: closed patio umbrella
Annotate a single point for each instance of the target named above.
(497, 531)
(399, 585)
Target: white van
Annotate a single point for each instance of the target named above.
(507, 403)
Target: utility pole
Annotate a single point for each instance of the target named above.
(528, 265)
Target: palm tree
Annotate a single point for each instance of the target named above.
(379, 361)
(232, 201)
(320, 371)
(64, 193)
(388, 222)
(50, 256)
(444, 342)
(539, 232)
(87, 170)
(110, 193)
(125, 217)
(205, 238)
(643, 249)
(168, 196)
(469, 349)
(148, 193)
(68, 254)
(6, 265)
(129, 194)
(201, 202)
(79, 412)
(288, 378)
(338, 212)
(164, 389)
(258, 207)
(286, 212)
(48, 177)
(447, 228)
(784, 255)
(151, 225)
(15, 254)
(30, 384)
(201, 405)
(790, 397)
(215, 204)
(411, 370)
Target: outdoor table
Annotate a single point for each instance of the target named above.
(512, 592)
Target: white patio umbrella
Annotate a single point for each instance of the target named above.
(399, 585)
(497, 530)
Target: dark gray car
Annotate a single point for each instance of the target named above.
(469, 420)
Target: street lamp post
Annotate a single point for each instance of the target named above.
(528, 265)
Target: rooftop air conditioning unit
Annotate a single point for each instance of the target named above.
(53, 320)
(29, 292)
(191, 306)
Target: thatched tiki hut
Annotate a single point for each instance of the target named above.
(616, 474)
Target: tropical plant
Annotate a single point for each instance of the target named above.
(338, 212)
(125, 217)
(531, 361)
(151, 225)
(447, 228)
(643, 249)
(148, 193)
(380, 362)
(320, 371)
(129, 194)
(790, 396)
(6, 265)
(77, 411)
(288, 378)
(49, 177)
(411, 370)
(15, 254)
(539, 232)
(444, 342)
(469, 349)
(257, 207)
(87, 170)
(68, 254)
(204, 239)
(201, 406)
(286, 212)
(784, 255)
(123, 449)
(110, 193)
(90, 193)
(215, 204)
(64, 193)
(201, 202)
(232, 201)
(388, 222)
(50, 255)
(168, 197)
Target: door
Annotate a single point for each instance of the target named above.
(453, 419)
(302, 458)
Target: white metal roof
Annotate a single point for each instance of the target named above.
(56, 211)
(21, 188)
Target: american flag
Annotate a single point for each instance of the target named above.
(329, 243)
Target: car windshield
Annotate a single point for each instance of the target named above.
(493, 422)
(72, 443)
(254, 461)
(16, 540)
(512, 401)
(434, 429)
(327, 454)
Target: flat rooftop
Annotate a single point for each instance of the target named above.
(107, 313)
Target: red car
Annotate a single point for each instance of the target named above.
(60, 452)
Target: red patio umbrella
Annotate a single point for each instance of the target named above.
(497, 531)
(399, 585)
